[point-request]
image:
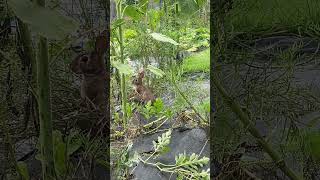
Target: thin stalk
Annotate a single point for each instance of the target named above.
(185, 98)
(44, 104)
(123, 80)
(244, 118)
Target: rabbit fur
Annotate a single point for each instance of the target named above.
(141, 93)
(91, 67)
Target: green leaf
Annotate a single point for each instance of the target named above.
(133, 12)
(158, 105)
(117, 23)
(60, 159)
(154, 17)
(156, 71)
(22, 166)
(314, 139)
(122, 68)
(59, 153)
(165, 150)
(46, 22)
(163, 38)
(130, 34)
(143, 4)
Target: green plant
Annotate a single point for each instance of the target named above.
(123, 161)
(193, 39)
(245, 119)
(186, 167)
(54, 21)
(156, 109)
(62, 151)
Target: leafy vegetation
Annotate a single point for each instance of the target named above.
(47, 53)
(262, 99)
(155, 39)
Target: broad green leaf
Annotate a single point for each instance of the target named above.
(117, 23)
(48, 23)
(163, 38)
(156, 71)
(122, 68)
(133, 12)
(23, 170)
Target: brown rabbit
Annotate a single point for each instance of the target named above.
(92, 68)
(142, 93)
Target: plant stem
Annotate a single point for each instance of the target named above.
(244, 118)
(44, 103)
(186, 99)
(123, 78)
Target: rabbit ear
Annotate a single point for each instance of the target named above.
(102, 42)
(141, 73)
(75, 65)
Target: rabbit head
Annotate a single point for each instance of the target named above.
(93, 62)
(142, 93)
(138, 79)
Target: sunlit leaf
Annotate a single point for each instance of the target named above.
(130, 33)
(133, 12)
(47, 22)
(163, 38)
(156, 71)
(122, 68)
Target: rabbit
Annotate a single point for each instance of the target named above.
(141, 93)
(91, 67)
